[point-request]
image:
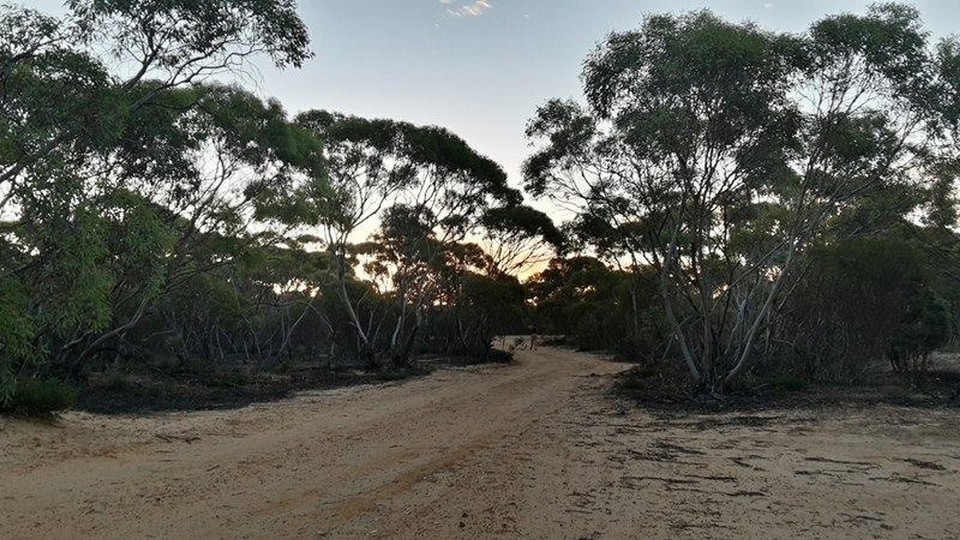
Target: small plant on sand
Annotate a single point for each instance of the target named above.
(40, 397)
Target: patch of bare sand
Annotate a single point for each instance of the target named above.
(536, 449)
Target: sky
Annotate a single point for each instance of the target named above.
(481, 67)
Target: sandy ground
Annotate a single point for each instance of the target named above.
(535, 449)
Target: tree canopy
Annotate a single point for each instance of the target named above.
(154, 213)
(719, 155)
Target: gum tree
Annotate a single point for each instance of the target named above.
(75, 92)
(716, 153)
(419, 189)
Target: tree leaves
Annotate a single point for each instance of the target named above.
(717, 153)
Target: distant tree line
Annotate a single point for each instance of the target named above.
(755, 202)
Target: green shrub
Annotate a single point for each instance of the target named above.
(37, 397)
(861, 299)
(924, 326)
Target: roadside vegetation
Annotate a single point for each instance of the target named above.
(746, 209)
(753, 207)
(159, 229)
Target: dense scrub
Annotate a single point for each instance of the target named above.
(156, 223)
(40, 397)
(598, 308)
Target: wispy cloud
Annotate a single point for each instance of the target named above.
(476, 8)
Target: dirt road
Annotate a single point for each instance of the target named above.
(535, 449)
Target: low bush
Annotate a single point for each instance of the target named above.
(39, 397)
(229, 379)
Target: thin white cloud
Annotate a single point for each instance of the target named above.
(477, 8)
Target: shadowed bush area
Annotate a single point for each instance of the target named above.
(40, 397)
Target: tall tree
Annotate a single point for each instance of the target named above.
(423, 188)
(717, 152)
(88, 194)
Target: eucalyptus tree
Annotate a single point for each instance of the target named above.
(518, 237)
(420, 189)
(83, 189)
(101, 50)
(178, 203)
(717, 152)
(420, 246)
(102, 63)
(197, 171)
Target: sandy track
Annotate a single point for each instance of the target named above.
(320, 463)
(535, 449)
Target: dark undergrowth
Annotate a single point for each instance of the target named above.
(668, 389)
(123, 393)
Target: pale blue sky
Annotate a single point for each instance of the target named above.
(481, 67)
(482, 76)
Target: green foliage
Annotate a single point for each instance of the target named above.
(107, 196)
(428, 190)
(924, 327)
(754, 203)
(151, 215)
(523, 220)
(16, 326)
(865, 298)
(194, 31)
(598, 308)
(715, 156)
(36, 397)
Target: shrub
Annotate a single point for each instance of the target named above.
(598, 308)
(863, 299)
(229, 379)
(658, 381)
(925, 326)
(38, 397)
